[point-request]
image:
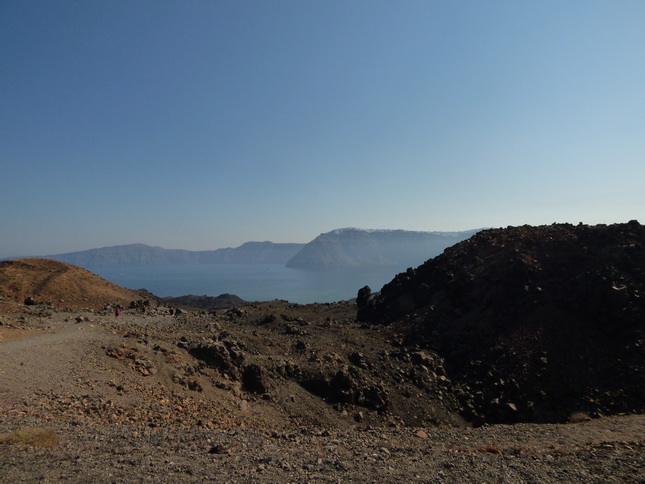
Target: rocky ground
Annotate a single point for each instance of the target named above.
(515, 356)
(269, 392)
(533, 323)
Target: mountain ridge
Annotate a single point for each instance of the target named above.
(343, 247)
(374, 247)
(138, 254)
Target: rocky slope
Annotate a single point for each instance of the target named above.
(61, 284)
(265, 392)
(271, 392)
(534, 323)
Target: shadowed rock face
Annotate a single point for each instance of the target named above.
(534, 322)
(223, 301)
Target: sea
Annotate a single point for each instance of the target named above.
(251, 282)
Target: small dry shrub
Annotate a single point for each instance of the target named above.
(525, 450)
(561, 452)
(578, 417)
(457, 448)
(491, 448)
(31, 437)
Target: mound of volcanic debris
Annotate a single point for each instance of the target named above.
(534, 323)
(223, 301)
(318, 365)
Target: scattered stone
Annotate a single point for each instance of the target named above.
(219, 449)
(353, 406)
(524, 315)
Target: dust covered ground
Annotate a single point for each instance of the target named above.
(268, 392)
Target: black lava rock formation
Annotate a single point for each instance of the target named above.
(534, 323)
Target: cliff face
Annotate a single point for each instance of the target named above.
(356, 247)
(254, 253)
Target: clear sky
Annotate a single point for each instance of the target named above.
(206, 124)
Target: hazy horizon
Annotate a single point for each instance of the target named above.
(16, 256)
(203, 125)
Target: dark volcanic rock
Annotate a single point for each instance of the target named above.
(225, 356)
(534, 323)
(256, 379)
(347, 386)
(30, 301)
(223, 301)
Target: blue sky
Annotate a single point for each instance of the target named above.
(205, 124)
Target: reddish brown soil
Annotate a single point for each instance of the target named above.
(61, 284)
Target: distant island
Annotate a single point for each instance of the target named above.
(351, 247)
(146, 255)
(347, 247)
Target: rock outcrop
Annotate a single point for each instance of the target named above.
(534, 323)
(223, 301)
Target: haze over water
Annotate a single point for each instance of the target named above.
(251, 282)
(205, 124)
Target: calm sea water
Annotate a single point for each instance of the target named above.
(251, 282)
